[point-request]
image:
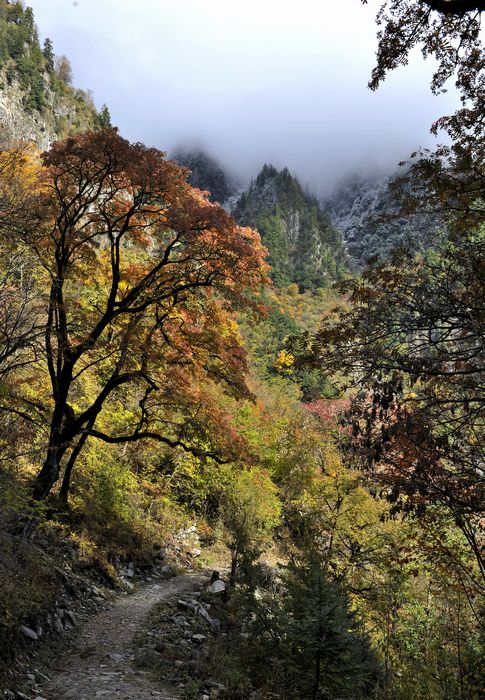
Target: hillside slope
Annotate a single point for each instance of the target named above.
(303, 245)
(37, 101)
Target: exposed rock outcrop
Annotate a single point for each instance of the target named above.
(365, 211)
(63, 115)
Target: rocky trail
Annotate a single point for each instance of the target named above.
(101, 663)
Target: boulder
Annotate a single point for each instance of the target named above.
(217, 587)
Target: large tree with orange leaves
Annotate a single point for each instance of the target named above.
(141, 273)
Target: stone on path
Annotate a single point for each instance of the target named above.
(217, 587)
(29, 633)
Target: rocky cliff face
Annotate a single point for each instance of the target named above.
(64, 114)
(207, 174)
(366, 213)
(37, 101)
(304, 247)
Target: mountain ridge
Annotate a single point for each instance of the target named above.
(304, 247)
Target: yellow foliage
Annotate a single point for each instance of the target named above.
(284, 362)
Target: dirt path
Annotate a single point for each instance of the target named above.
(101, 664)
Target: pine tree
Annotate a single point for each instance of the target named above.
(48, 52)
(104, 118)
(327, 652)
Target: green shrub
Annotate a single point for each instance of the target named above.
(250, 512)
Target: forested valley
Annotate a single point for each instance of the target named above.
(199, 380)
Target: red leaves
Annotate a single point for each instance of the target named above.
(329, 411)
(144, 270)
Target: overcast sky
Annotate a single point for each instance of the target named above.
(252, 81)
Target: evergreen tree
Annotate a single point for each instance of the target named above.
(326, 652)
(312, 645)
(48, 52)
(104, 118)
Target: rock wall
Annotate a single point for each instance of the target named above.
(65, 114)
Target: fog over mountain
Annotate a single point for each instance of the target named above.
(254, 82)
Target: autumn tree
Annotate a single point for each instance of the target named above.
(414, 334)
(63, 69)
(412, 342)
(412, 337)
(165, 266)
(450, 32)
(447, 29)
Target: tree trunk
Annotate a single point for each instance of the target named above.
(66, 481)
(56, 449)
(318, 670)
(49, 473)
(234, 562)
(47, 476)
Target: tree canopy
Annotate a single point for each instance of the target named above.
(164, 266)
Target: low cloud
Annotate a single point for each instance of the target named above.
(253, 82)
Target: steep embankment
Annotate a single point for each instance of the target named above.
(83, 632)
(37, 101)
